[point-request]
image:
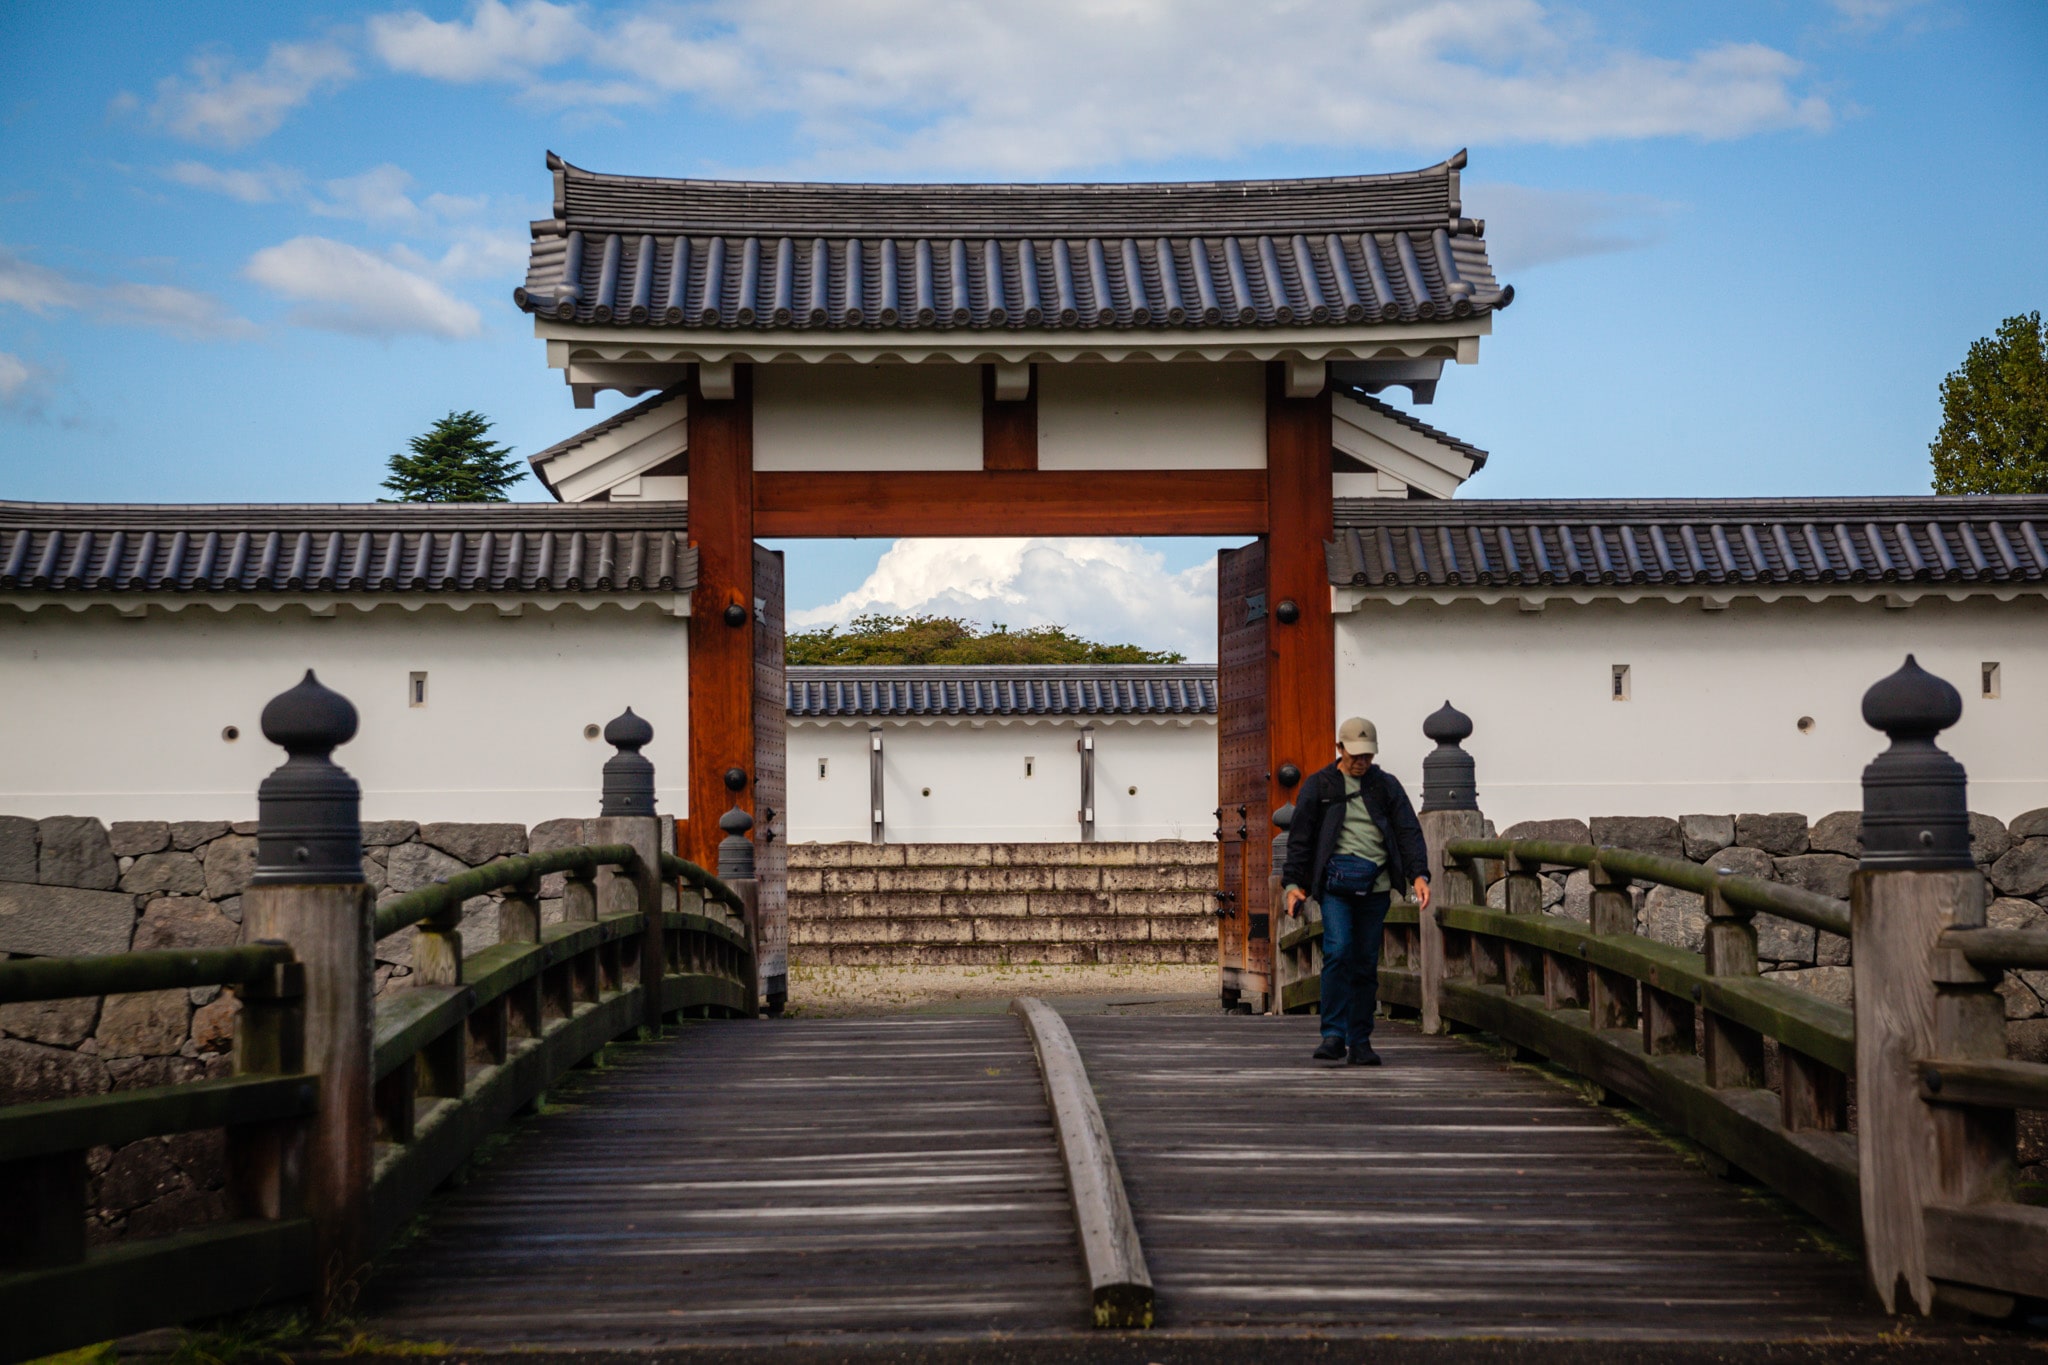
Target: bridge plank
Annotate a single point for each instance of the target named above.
(1444, 1193)
(756, 1180)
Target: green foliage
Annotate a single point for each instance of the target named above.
(1994, 414)
(950, 640)
(453, 462)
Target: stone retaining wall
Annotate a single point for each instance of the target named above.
(910, 905)
(72, 885)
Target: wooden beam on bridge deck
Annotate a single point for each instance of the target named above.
(1043, 502)
(721, 655)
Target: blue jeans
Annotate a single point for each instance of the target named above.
(1352, 926)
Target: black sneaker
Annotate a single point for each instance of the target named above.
(1363, 1055)
(1332, 1050)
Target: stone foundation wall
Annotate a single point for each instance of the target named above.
(908, 905)
(73, 885)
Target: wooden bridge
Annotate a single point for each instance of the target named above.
(721, 1180)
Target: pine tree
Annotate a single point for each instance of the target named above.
(453, 462)
(1994, 414)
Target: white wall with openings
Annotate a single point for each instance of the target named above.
(465, 715)
(1756, 707)
(948, 781)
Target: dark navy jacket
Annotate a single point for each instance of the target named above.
(1319, 819)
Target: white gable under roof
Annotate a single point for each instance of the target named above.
(616, 458)
(1391, 453)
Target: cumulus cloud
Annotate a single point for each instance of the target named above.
(216, 102)
(1112, 590)
(497, 42)
(933, 85)
(260, 185)
(342, 288)
(43, 291)
(1527, 226)
(24, 386)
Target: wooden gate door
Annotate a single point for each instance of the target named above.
(1244, 839)
(771, 785)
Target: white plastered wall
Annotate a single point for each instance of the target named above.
(122, 718)
(979, 793)
(1137, 415)
(1712, 721)
(835, 417)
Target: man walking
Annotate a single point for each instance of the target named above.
(1353, 840)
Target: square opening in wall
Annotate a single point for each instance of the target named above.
(1620, 686)
(1030, 766)
(1990, 673)
(416, 690)
(821, 768)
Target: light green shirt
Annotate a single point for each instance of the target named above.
(1360, 837)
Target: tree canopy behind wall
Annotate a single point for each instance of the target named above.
(1994, 414)
(951, 640)
(452, 462)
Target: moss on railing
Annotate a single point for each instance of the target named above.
(1745, 893)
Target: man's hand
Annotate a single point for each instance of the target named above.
(1421, 893)
(1295, 896)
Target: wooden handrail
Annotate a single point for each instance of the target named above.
(683, 870)
(162, 969)
(1747, 893)
(443, 896)
(1999, 949)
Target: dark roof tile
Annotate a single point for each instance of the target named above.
(347, 548)
(1689, 542)
(875, 692)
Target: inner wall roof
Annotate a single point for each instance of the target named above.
(902, 690)
(349, 548)
(715, 255)
(1749, 542)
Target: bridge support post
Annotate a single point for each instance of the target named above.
(736, 869)
(1450, 811)
(308, 891)
(626, 816)
(1916, 880)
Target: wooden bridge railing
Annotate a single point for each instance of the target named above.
(1923, 1173)
(344, 1112)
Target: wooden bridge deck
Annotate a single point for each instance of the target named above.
(812, 1179)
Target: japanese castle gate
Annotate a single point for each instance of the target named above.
(978, 360)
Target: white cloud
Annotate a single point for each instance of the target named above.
(1116, 591)
(377, 196)
(214, 102)
(927, 86)
(186, 312)
(1866, 15)
(498, 42)
(342, 288)
(262, 185)
(24, 386)
(1527, 226)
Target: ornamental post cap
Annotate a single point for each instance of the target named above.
(309, 719)
(1447, 725)
(1916, 801)
(1284, 817)
(628, 731)
(628, 784)
(1912, 703)
(736, 822)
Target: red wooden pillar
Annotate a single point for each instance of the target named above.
(1301, 699)
(721, 654)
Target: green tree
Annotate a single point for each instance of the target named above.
(1994, 414)
(950, 640)
(453, 462)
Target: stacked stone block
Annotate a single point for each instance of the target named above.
(913, 905)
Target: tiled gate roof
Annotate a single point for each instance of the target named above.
(718, 255)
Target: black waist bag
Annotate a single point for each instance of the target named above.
(1351, 875)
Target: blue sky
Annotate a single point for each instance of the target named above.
(247, 251)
